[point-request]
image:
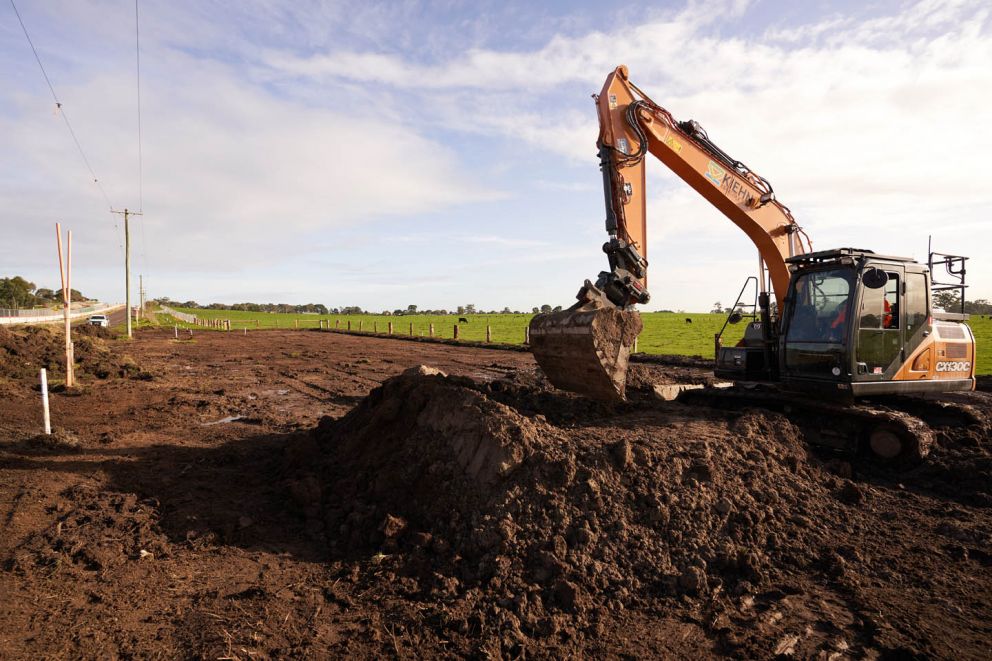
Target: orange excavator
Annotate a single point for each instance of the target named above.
(830, 326)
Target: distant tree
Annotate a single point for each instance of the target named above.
(74, 295)
(45, 294)
(718, 307)
(470, 308)
(460, 309)
(411, 309)
(978, 306)
(506, 310)
(16, 292)
(949, 301)
(442, 311)
(546, 308)
(534, 310)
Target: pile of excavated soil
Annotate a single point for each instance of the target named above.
(24, 351)
(516, 528)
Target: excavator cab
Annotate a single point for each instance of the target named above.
(857, 324)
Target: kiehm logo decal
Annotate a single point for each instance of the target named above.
(715, 173)
(954, 366)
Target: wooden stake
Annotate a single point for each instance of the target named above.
(527, 334)
(65, 272)
(432, 330)
(411, 329)
(456, 331)
(44, 401)
(489, 333)
(390, 327)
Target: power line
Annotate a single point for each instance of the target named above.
(61, 110)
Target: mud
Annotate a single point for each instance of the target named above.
(310, 495)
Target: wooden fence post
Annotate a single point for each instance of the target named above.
(337, 323)
(390, 327)
(256, 323)
(349, 324)
(456, 331)
(527, 334)
(489, 333)
(375, 327)
(432, 330)
(411, 329)
(361, 325)
(297, 322)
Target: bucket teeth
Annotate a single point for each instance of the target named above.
(586, 350)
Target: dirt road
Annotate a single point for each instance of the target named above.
(192, 510)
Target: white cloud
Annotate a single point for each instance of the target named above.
(871, 129)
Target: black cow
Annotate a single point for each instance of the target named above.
(688, 320)
(462, 320)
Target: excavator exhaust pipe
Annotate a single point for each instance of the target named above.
(586, 348)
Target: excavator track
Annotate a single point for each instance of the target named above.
(887, 434)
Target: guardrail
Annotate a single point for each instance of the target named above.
(57, 317)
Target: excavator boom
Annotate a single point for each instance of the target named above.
(577, 348)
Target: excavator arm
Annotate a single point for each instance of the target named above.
(631, 126)
(586, 348)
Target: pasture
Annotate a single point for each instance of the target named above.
(664, 332)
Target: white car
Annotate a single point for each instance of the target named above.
(99, 320)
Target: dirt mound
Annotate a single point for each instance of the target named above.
(527, 530)
(24, 351)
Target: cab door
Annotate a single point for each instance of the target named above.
(880, 329)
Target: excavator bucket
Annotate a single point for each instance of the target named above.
(586, 348)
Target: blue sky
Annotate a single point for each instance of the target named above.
(437, 154)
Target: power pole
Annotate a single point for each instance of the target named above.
(127, 265)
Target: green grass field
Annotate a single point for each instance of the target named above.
(664, 332)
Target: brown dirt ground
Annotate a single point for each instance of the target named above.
(247, 497)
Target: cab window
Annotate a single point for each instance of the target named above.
(880, 307)
(820, 310)
(916, 302)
